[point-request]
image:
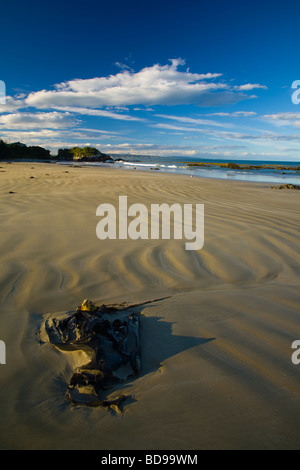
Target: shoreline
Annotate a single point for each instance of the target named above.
(243, 166)
(110, 166)
(210, 168)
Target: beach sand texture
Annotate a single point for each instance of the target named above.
(216, 348)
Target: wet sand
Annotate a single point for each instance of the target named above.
(216, 348)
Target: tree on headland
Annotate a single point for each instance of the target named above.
(35, 152)
(4, 150)
(17, 150)
(65, 154)
(83, 154)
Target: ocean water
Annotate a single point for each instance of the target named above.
(178, 165)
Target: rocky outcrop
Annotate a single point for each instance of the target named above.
(83, 154)
(96, 158)
(286, 186)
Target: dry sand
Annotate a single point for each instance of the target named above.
(216, 350)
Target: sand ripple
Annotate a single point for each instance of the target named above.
(217, 370)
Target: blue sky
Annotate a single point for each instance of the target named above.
(190, 78)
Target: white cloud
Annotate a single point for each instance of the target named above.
(235, 114)
(148, 149)
(155, 85)
(249, 86)
(173, 127)
(29, 137)
(99, 131)
(201, 151)
(284, 119)
(99, 112)
(262, 137)
(143, 109)
(53, 138)
(194, 121)
(51, 120)
(12, 104)
(122, 66)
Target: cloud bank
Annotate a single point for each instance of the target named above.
(155, 85)
(48, 120)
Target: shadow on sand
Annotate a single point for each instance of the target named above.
(153, 343)
(158, 341)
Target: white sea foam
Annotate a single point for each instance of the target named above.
(263, 176)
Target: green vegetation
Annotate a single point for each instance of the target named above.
(82, 154)
(17, 150)
(287, 186)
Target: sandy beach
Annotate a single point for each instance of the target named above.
(216, 334)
